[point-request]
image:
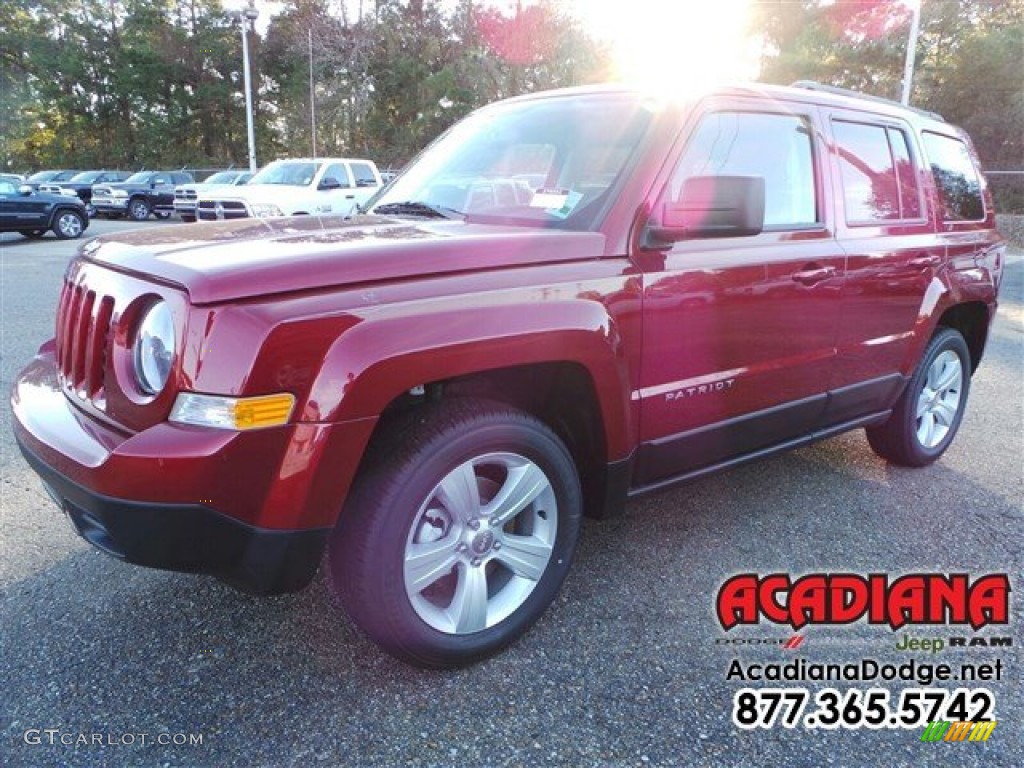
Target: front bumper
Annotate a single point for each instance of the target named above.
(186, 537)
(110, 204)
(249, 507)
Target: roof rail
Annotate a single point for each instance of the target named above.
(811, 85)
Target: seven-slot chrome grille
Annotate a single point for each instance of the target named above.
(83, 338)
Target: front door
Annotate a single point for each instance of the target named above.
(740, 332)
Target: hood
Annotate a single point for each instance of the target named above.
(200, 186)
(223, 261)
(261, 193)
(123, 185)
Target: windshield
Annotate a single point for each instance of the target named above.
(223, 177)
(87, 176)
(142, 177)
(549, 162)
(42, 176)
(288, 173)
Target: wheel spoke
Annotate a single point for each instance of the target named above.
(527, 556)
(426, 563)
(950, 376)
(460, 494)
(924, 401)
(944, 412)
(468, 609)
(926, 431)
(522, 485)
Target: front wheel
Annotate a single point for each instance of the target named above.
(138, 209)
(928, 413)
(458, 534)
(68, 225)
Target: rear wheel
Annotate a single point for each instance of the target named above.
(928, 413)
(138, 209)
(68, 225)
(458, 533)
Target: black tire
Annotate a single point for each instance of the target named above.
(138, 209)
(898, 440)
(388, 509)
(35, 233)
(68, 224)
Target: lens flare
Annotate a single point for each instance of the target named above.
(675, 45)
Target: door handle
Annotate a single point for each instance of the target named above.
(350, 197)
(925, 261)
(814, 274)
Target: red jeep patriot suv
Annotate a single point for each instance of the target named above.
(569, 299)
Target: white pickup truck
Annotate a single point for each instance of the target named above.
(293, 187)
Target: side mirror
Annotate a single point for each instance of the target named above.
(712, 206)
(329, 182)
(25, 190)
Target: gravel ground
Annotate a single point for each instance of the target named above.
(624, 669)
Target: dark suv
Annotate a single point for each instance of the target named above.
(142, 194)
(569, 299)
(33, 213)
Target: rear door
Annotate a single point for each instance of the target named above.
(883, 224)
(740, 332)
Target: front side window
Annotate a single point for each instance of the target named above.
(142, 177)
(956, 177)
(878, 175)
(338, 172)
(775, 147)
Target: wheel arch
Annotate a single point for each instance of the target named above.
(970, 320)
(571, 375)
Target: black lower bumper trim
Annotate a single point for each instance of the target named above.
(187, 537)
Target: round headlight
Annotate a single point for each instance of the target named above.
(154, 348)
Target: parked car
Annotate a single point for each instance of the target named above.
(187, 195)
(295, 187)
(138, 196)
(33, 213)
(15, 178)
(569, 299)
(49, 177)
(81, 185)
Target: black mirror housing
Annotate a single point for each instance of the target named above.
(712, 206)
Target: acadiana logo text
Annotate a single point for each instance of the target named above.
(843, 598)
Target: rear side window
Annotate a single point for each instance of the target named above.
(363, 174)
(957, 178)
(775, 147)
(879, 179)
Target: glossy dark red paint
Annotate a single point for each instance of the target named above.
(767, 335)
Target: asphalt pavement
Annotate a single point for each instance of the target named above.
(101, 661)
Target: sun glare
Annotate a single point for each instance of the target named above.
(675, 45)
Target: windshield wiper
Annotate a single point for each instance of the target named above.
(417, 208)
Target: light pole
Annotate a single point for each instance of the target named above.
(908, 65)
(247, 14)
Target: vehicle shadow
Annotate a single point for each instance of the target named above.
(93, 645)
